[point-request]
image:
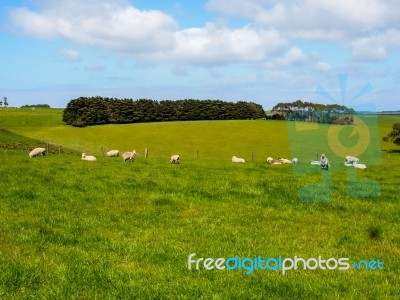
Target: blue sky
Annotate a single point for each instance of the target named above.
(262, 50)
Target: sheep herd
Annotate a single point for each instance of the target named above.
(350, 161)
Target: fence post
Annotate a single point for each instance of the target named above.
(197, 153)
(146, 153)
(102, 151)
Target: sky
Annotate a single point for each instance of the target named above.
(264, 51)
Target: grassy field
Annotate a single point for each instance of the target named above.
(111, 230)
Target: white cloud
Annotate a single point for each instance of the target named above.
(323, 67)
(146, 34)
(356, 24)
(115, 26)
(364, 26)
(376, 47)
(215, 44)
(293, 56)
(71, 54)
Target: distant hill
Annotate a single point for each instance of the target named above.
(379, 112)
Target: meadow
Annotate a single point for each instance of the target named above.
(71, 229)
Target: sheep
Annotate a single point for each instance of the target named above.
(359, 166)
(280, 161)
(285, 161)
(315, 163)
(175, 159)
(237, 159)
(324, 162)
(113, 153)
(351, 159)
(295, 160)
(37, 152)
(88, 157)
(272, 161)
(129, 155)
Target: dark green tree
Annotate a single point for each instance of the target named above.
(394, 135)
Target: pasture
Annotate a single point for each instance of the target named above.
(72, 229)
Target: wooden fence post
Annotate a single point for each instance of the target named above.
(146, 153)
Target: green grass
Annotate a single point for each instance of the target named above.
(109, 230)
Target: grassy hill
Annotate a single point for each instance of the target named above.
(108, 229)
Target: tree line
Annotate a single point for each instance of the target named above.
(314, 112)
(86, 111)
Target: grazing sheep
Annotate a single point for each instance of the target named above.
(324, 162)
(237, 159)
(113, 153)
(351, 159)
(129, 155)
(88, 157)
(37, 152)
(175, 159)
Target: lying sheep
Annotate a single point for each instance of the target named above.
(113, 153)
(88, 157)
(37, 152)
(315, 163)
(285, 161)
(351, 159)
(355, 165)
(359, 166)
(295, 160)
(237, 159)
(175, 159)
(280, 161)
(129, 155)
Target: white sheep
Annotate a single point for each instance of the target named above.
(237, 159)
(359, 166)
(315, 163)
(351, 159)
(280, 161)
(295, 160)
(285, 161)
(129, 155)
(272, 161)
(88, 157)
(113, 153)
(37, 152)
(324, 162)
(175, 159)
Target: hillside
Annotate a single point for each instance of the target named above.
(72, 229)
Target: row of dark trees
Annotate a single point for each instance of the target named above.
(314, 112)
(85, 111)
(35, 106)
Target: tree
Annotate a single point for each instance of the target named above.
(5, 102)
(394, 135)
